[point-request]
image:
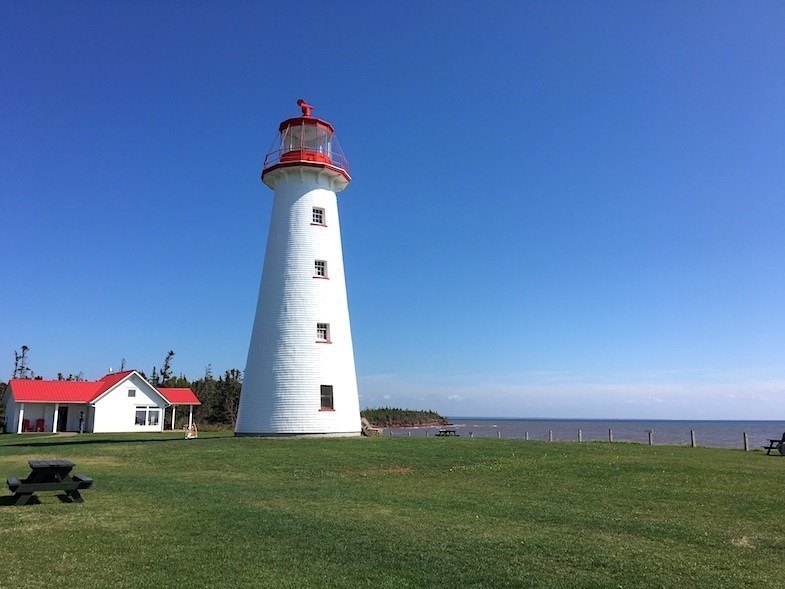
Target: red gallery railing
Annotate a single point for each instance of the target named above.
(285, 155)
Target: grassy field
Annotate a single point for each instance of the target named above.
(400, 512)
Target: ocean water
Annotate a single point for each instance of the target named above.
(720, 434)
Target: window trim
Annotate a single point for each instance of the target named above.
(331, 406)
(327, 339)
(148, 411)
(324, 276)
(131, 393)
(323, 215)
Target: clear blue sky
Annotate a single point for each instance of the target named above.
(559, 209)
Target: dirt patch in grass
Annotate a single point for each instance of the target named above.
(744, 542)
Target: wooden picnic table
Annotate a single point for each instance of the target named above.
(49, 475)
(778, 445)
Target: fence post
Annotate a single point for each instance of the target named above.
(550, 435)
(746, 442)
(580, 435)
(426, 433)
(610, 435)
(692, 438)
(409, 434)
(651, 435)
(499, 434)
(526, 435)
(471, 434)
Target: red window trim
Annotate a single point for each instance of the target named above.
(326, 409)
(323, 341)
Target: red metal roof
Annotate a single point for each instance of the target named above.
(69, 391)
(180, 396)
(109, 380)
(52, 391)
(306, 121)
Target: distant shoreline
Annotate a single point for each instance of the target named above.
(434, 423)
(395, 417)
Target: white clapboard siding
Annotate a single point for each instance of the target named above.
(286, 366)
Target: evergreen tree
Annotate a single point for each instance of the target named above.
(2, 407)
(154, 380)
(166, 371)
(233, 384)
(21, 369)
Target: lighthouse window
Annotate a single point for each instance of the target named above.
(327, 396)
(318, 216)
(322, 332)
(320, 269)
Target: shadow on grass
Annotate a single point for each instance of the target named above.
(10, 500)
(71, 441)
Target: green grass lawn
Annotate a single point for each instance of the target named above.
(395, 512)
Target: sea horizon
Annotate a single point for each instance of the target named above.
(718, 433)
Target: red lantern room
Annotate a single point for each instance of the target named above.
(306, 141)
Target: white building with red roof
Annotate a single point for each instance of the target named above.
(118, 402)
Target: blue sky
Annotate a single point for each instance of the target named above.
(559, 209)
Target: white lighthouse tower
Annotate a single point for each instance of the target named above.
(300, 378)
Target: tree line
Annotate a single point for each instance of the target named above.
(396, 417)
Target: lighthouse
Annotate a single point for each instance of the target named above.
(300, 378)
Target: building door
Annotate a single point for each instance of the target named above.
(62, 418)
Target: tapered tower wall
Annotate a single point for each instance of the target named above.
(286, 365)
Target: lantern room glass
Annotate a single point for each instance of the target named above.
(313, 138)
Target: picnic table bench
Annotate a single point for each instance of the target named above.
(447, 433)
(778, 445)
(49, 475)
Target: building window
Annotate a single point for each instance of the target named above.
(147, 415)
(323, 332)
(320, 269)
(318, 216)
(327, 396)
(131, 392)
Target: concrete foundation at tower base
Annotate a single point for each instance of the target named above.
(304, 435)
